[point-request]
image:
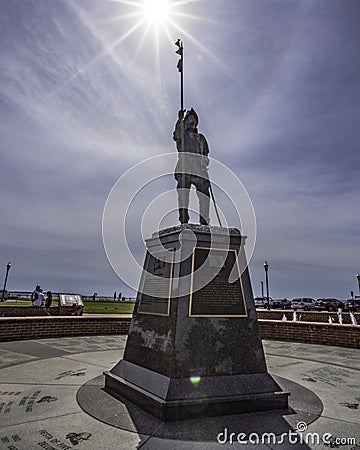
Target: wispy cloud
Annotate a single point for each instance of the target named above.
(277, 90)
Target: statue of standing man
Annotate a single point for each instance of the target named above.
(192, 166)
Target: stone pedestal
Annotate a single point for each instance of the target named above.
(194, 348)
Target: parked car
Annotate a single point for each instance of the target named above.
(352, 305)
(261, 302)
(305, 303)
(328, 304)
(281, 303)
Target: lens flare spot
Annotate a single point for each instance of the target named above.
(195, 379)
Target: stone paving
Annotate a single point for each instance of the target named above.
(47, 385)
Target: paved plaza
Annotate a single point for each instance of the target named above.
(51, 397)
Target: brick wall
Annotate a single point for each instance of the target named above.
(13, 328)
(310, 332)
(34, 311)
(17, 328)
(26, 311)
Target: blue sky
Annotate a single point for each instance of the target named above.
(82, 99)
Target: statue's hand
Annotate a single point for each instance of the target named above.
(181, 114)
(205, 162)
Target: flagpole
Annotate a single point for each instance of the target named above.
(180, 67)
(182, 78)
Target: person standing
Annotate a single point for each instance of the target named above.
(48, 302)
(35, 294)
(37, 297)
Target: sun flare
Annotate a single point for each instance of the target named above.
(156, 19)
(156, 11)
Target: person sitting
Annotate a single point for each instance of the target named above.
(77, 309)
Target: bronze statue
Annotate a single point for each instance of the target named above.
(192, 166)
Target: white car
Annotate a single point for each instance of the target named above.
(261, 302)
(304, 303)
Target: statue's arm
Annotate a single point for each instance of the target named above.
(204, 145)
(204, 152)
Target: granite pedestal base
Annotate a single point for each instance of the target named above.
(194, 348)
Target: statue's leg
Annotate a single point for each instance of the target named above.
(203, 192)
(183, 191)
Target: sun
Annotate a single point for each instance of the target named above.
(153, 17)
(159, 19)
(157, 12)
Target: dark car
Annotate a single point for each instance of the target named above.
(352, 305)
(281, 303)
(328, 304)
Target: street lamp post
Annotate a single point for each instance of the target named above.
(6, 277)
(358, 278)
(266, 267)
(262, 289)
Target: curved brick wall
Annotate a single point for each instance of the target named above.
(311, 332)
(34, 311)
(17, 328)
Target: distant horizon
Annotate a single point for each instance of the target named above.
(126, 295)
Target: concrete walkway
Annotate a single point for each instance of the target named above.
(51, 397)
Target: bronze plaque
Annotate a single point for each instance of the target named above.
(219, 297)
(156, 287)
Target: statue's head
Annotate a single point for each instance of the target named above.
(192, 118)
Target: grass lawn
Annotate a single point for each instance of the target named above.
(91, 307)
(108, 307)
